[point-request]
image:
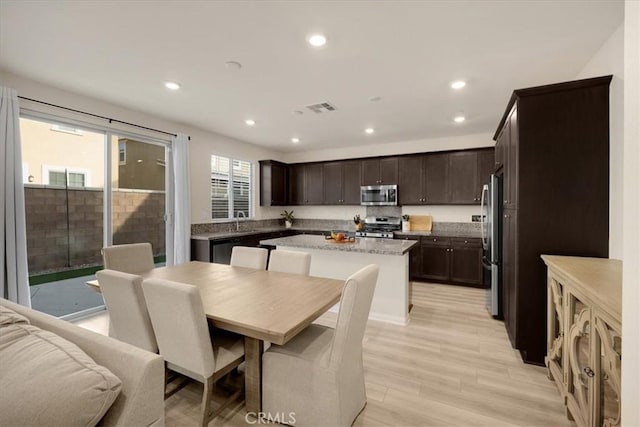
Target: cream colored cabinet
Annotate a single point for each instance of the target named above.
(584, 336)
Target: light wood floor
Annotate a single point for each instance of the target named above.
(451, 366)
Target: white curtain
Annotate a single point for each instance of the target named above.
(182, 201)
(13, 252)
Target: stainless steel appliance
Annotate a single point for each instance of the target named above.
(380, 227)
(379, 195)
(491, 213)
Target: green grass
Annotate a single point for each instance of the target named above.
(39, 279)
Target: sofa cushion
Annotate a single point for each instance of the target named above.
(47, 380)
(9, 317)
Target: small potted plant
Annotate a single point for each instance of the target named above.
(406, 225)
(358, 222)
(288, 218)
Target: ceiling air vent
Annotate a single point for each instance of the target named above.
(322, 107)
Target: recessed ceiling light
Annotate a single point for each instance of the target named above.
(172, 85)
(458, 84)
(459, 119)
(317, 40)
(295, 140)
(233, 65)
(369, 130)
(250, 122)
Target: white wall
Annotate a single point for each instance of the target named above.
(610, 60)
(203, 143)
(439, 213)
(631, 208)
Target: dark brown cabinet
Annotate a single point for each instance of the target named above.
(436, 179)
(435, 258)
(501, 146)
(447, 260)
(410, 180)
(486, 160)
(296, 184)
(454, 177)
(380, 171)
(463, 173)
(342, 183)
(466, 261)
(555, 178)
(306, 184)
(314, 184)
(509, 254)
(273, 183)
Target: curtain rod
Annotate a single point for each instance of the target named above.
(98, 116)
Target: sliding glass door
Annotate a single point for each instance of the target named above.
(85, 189)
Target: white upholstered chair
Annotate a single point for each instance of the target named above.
(128, 315)
(244, 256)
(132, 258)
(185, 342)
(318, 375)
(290, 262)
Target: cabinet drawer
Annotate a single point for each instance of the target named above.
(436, 241)
(466, 242)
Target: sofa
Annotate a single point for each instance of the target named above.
(140, 397)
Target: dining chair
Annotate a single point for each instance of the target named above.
(244, 256)
(132, 258)
(128, 315)
(185, 342)
(290, 262)
(319, 375)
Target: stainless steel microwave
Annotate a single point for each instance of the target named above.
(379, 195)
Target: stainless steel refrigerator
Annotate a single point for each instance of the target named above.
(491, 214)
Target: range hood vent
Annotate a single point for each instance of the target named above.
(322, 107)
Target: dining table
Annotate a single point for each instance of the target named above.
(261, 305)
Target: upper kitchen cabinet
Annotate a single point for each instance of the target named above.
(273, 183)
(410, 180)
(380, 171)
(463, 173)
(436, 179)
(342, 183)
(452, 178)
(501, 147)
(556, 183)
(486, 160)
(306, 185)
(296, 184)
(314, 184)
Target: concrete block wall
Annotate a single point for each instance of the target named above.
(138, 216)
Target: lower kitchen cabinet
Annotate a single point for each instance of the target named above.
(446, 260)
(219, 250)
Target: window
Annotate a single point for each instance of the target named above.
(55, 175)
(231, 187)
(122, 153)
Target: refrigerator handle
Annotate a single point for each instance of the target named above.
(484, 217)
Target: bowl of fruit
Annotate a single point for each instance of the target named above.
(341, 237)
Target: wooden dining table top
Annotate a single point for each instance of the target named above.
(261, 304)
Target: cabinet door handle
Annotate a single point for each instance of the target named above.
(589, 372)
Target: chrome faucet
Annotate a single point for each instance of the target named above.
(238, 219)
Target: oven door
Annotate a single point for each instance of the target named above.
(379, 195)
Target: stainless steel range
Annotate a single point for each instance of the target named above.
(380, 227)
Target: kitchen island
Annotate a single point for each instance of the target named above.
(336, 260)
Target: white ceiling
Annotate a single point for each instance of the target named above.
(405, 52)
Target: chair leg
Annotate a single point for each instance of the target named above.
(207, 396)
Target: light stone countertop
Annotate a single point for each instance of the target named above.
(363, 245)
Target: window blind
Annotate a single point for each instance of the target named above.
(231, 186)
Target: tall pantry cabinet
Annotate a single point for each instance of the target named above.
(552, 151)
